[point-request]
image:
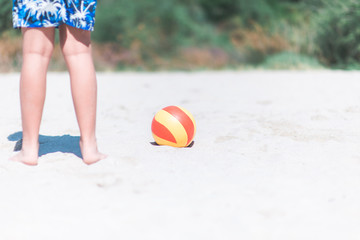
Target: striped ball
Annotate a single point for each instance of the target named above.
(173, 126)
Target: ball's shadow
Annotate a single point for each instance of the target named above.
(190, 145)
(51, 144)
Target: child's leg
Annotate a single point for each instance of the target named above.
(76, 48)
(38, 45)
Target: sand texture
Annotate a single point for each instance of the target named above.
(276, 157)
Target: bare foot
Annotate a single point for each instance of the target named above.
(28, 156)
(90, 152)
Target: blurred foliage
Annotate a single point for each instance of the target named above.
(221, 10)
(145, 29)
(150, 32)
(291, 60)
(197, 34)
(5, 14)
(338, 37)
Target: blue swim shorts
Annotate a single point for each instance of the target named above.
(52, 13)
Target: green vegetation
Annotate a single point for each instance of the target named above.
(5, 15)
(216, 34)
(290, 60)
(338, 37)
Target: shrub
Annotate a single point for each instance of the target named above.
(10, 53)
(154, 23)
(338, 34)
(5, 15)
(291, 60)
(151, 28)
(257, 43)
(249, 11)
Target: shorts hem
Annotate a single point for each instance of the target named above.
(88, 28)
(19, 26)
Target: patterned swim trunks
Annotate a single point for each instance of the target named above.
(52, 13)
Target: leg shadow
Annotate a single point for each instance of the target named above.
(51, 144)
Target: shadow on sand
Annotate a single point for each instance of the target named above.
(189, 146)
(51, 144)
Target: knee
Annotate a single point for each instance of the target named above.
(38, 41)
(74, 41)
(41, 49)
(74, 49)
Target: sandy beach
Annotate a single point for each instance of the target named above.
(276, 157)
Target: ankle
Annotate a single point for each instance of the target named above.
(87, 140)
(29, 144)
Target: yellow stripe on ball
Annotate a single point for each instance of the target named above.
(162, 141)
(174, 126)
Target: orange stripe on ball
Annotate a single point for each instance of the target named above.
(161, 131)
(184, 119)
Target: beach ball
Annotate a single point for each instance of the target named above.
(173, 126)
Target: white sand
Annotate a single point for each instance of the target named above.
(276, 156)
